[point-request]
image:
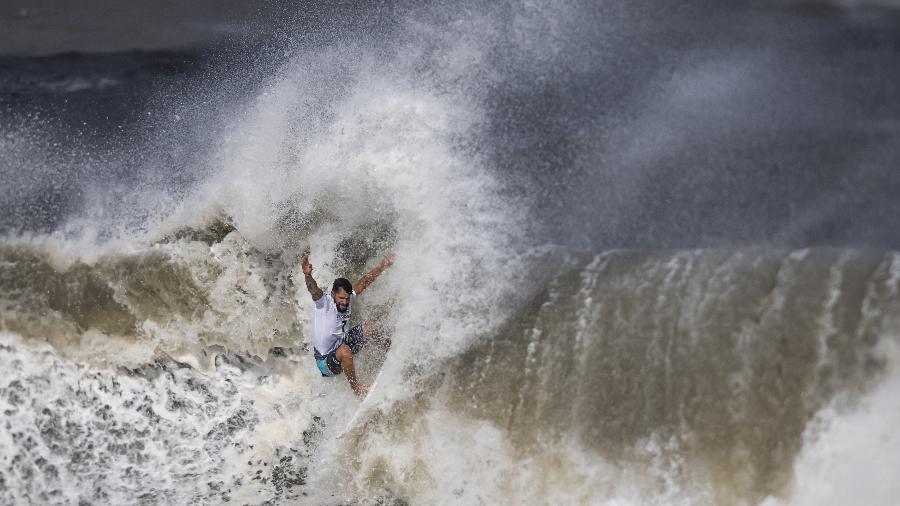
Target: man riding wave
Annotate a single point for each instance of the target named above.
(333, 344)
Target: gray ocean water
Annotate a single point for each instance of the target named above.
(646, 253)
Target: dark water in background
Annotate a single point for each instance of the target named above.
(643, 126)
(155, 202)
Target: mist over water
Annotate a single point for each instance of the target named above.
(644, 256)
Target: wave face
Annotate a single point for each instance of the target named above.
(154, 337)
(655, 378)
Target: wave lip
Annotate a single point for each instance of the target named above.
(177, 296)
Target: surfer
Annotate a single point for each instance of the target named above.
(334, 345)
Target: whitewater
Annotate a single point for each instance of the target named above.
(155, 339)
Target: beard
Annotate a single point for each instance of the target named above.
(342, 308)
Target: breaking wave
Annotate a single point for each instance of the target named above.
(155, 349)
(684, 377)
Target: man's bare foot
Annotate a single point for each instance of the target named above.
(361, 390)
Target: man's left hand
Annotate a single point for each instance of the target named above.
(388, 260)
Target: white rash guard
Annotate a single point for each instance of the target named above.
(330, 325)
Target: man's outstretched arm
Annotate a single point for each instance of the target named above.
(367, 280)
(311, 285)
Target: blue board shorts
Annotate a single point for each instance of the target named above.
(328, 364)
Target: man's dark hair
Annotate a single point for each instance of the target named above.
(343, 284)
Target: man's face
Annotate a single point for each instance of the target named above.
(341, 299)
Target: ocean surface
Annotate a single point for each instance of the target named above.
(647, 253)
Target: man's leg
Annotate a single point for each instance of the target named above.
(345, 357)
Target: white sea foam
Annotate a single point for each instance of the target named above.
(75, 433)
(851, 452)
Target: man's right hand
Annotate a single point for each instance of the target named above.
(311, 285)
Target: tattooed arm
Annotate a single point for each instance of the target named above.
(311, 285)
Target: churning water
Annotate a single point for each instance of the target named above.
(154, 334)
